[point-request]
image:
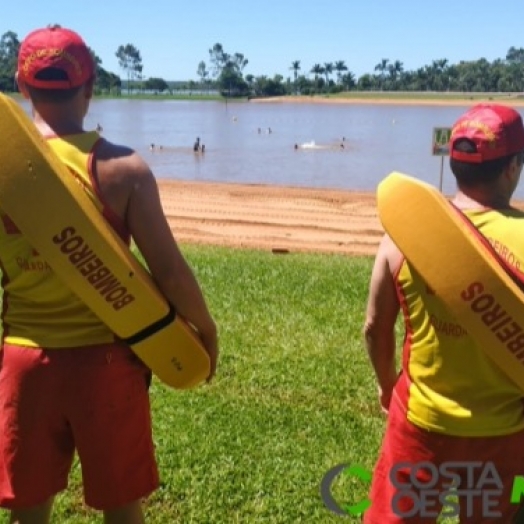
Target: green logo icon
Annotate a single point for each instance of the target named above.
(345, 510)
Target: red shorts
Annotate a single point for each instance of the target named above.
(93, 400)
(406, 443)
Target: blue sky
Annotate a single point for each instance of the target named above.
(173, 36)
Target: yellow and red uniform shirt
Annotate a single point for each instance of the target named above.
(38, 309)
(449, 384)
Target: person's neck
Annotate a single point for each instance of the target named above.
(480, 200)
(52, 121)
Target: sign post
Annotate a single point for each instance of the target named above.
(441, 136)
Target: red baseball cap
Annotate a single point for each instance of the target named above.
(496, 130)
(58, 48)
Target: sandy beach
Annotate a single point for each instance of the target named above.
(275, 219)
(511, 99)
(278, 219)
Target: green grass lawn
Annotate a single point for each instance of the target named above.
(294, 396)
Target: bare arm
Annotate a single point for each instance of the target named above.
(151, 232)
(381, 314)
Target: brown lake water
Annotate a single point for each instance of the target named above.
(254, 142)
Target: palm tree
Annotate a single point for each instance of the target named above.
(395, 71)
(295, 66)
(340, 66)
(348, 80)
(440, 65)
(328, 69)
(382, 68)
(317, 69)
(438, 75)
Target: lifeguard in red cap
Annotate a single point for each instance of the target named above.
(455, 421)
(66, 383)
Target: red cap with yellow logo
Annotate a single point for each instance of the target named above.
(496, 131)
(54, 58)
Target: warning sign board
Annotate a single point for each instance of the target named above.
(441, 136)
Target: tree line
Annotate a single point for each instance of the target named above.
(224, 73)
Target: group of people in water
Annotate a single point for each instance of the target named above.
(198, 147)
